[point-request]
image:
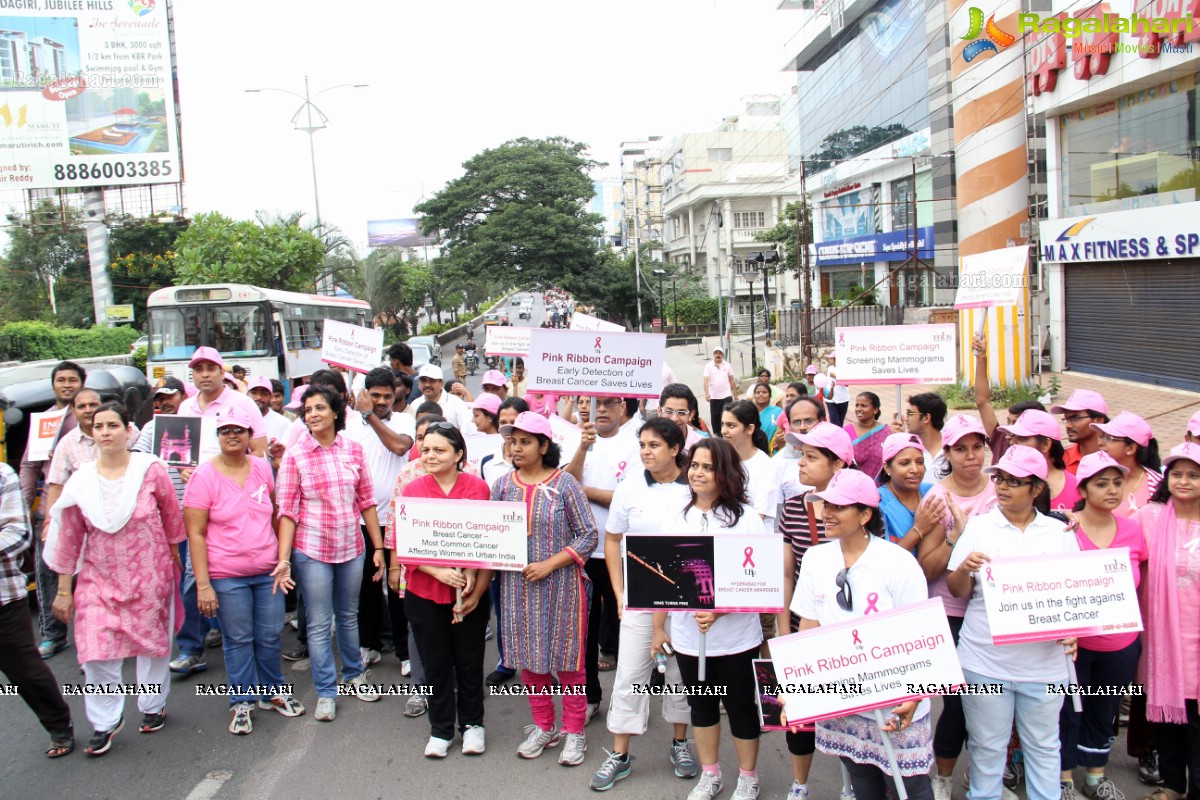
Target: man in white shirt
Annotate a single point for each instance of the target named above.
(840, 402)
(456, 412)
(261, 393)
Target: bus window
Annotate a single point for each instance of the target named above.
(239, 330)
(175, 332)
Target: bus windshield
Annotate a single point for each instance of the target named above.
(236, 330)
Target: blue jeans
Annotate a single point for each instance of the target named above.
(331, 590)
(251, 618)
(989, 728)
(191, 634)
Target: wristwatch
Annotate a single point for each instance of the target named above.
(366, 416)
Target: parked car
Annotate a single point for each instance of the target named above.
(491, 319)
(431, 344)
(421, 354)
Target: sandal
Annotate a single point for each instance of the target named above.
(60, 746)
(605, 665)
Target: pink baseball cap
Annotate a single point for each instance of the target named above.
(1034, 423)
(1193, 426)
(1021, 461)
(530, 422)
(1096, 462)
(493, 377)
(229, 379)
(849, 486)
(1082, 400)
(261, 383)
(896, 442)
(297, 396)
(1188, 450)
(832, 354)
(1127, 425)
(206, 354)
(959, 426)
(236, 416)
(487, 402)
(190, 389)
(828, 436)
(811, 369)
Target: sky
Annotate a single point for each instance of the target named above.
(446, 80)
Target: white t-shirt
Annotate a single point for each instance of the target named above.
(382, 464)
(841, 394)
(760, 485)
(456, 412)
(990, 533)
(787, 475)
(937, 467)
(641, 504)
(732, 633)
(277, 425)
(493, 468)
(611, 459)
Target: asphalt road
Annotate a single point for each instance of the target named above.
(369, 751)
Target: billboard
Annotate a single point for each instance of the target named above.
(396, 233)
(86, 96)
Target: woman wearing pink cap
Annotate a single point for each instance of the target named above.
(902, 487)
(1192, 434)
(544, 613)
(1039, 430)
(1171, 522)
(1130, 441)
(856, 574)
(1109, 660)
(1013, 528)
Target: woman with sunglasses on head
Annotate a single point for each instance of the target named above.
(740, 427)
(545, 607)
(448, 631)
(1039, 430)
(867, 434)
(1015, 527)
(1130, 441)
(1171, 524)
(824, 450)
(241, 573)
(718, 504)
(902, 487)
(1108, 660)
(858, 573)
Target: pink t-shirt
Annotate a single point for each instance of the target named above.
(972, 506)
(1068, 497)
(718, 380)
(240, 539)
(1129, 534)
(1141, 494)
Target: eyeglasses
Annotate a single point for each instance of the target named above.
(610, 401)
(805, 423)
(1105, 438)
(1077, 418)
(1012, 483)
(913, 414)
(845, 598)
(231, 430)
(667, 412)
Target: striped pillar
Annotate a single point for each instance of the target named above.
(991, 165)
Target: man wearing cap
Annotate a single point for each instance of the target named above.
(1192, 434)
(1079, 411)
(459, 364)
(432, 384)
(494, 383)
(840, 401)
(719, 386)
(214, 399)
(261, 392)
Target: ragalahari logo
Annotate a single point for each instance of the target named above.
(142, 7)
(994, 39)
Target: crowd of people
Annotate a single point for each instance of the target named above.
(143, 559)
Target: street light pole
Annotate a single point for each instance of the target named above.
(662, 302)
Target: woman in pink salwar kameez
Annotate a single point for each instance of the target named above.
(116, 525)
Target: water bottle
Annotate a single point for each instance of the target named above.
(661, 661)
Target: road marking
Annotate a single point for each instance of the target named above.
(208, 788)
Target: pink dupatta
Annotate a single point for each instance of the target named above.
(1164, 675)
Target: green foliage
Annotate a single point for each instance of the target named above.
(517, 214)
(394, 288)
(849, 142)
(434, 328)
(142, 259)
(50, 249)
(960, 396)
(698, 311)
(139, 358)
(273, 255)
(37, 341)
(784, 236)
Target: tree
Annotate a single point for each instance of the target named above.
(849, 142)
(142, 257)
(46, 274)
(395, 288)
(272, 255)
(784, 237)
(517, 213)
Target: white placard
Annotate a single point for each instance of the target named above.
(729, 573)
(506, 340)
(567, 436)
(595, 363)
(1050, 597)
(897, 354)
(874, 662)
(480, 445)
(586, 322)
(994, 278)
(43, 430)
(461, 533)
(210, 444)
(351, 347)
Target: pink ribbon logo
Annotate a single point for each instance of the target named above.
(403, 514)
(857, 640)
(749, 560)
(841, 338)
(989, 575)
(621, 469)
(597, 345)
(872, 599)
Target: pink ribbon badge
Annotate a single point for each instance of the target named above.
(841, 338)
(597, 345)
(989, 575)
(621, 469)
(749, 560)
(872, 599)
(857, 640)
(402, 514)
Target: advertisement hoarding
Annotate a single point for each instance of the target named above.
(396, 233)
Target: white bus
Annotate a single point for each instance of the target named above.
(271, 333)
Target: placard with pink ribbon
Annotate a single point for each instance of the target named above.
(595, 363)
(461, 533)
(729, 573)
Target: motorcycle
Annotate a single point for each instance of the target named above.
(472, 361)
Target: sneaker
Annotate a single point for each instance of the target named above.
(1104, 790)
(153, 722)
(369, 656)
(799, 791)
(288, 706)
(847, 793)
(615, 768)
(537, 740)
(1148, 769)
(1067, 791)
(416, 706)
(241, 723)
(297, 653)
(488, 635)
(50, 648)
(747, 788)
(474, 741)
(573, 752)
(362, 689)
(592, 710)
(683, 760)
(213, 639)
(437, 748)
(1014, 772)
(187, 665)
(101, 741)
(405, 668)
(326, 709)
(294, 624)
(708, 787)
(497, 677)
(943, 787)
